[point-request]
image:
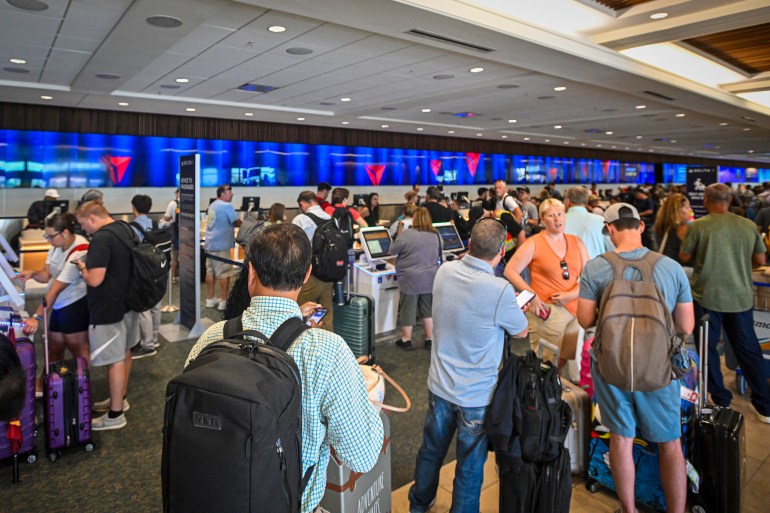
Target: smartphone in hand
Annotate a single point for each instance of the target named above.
(319, 314)
(524, 297)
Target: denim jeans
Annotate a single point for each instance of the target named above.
(441, 422)
(739, 328)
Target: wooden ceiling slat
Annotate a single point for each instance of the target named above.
(746, 48)
(618, 5)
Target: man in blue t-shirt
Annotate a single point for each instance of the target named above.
(465, 356)
(655, 414)
(221, 220)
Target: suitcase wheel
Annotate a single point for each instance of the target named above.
(740, 383)
(53, 456)
(593, 487)
(90, 447)
(698, 509)
(32, 458)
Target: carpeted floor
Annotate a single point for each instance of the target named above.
(123, 472)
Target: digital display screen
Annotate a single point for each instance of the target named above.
(449, 236)
(377, 240)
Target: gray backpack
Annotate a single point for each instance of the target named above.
(635, 334)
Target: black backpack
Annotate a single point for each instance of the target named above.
(232, 429)
(158, 237)
(330, 250)
(149, 269)
(527, 418)
(344, 220)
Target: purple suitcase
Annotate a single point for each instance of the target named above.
(67, 400)
(26, 352)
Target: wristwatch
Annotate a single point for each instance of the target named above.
(37, 317)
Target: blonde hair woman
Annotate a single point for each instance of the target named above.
(672, 223)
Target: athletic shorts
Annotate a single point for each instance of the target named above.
(109, 342)
(411, 308)
(72, 318)
(217, 268)
(656, 415)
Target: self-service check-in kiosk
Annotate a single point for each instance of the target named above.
(375, 277)
(451, 241)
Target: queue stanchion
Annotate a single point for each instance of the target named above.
(170, 307)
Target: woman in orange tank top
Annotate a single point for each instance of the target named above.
(555, 261)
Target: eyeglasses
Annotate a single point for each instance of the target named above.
(51, 237)
(564, 270)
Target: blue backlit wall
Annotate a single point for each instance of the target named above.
(677, 173)
(56, 159)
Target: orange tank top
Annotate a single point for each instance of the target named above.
(546, 275)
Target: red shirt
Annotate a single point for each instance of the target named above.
(356, 216)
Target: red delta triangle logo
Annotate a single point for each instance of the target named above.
(117, 167)
(435, 166)
(472, 159)
(375, 172)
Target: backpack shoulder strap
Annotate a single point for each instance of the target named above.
(317, 220)
(232, 327)
(620, 264)
(129, 241)
(287, 333)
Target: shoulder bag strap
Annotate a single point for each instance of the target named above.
(663, 243)
(287, 333)
(317, 220)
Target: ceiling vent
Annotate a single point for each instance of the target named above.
(256, 88)
(658, 95)
(449, 40)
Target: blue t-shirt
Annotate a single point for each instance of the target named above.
(220, 226)
(668, 275)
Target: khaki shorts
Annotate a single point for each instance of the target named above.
(410, 308)
(109, 342)
(219, 269)
(560, 329)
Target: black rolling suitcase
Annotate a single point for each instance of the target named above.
(720, 450)
(354, 321)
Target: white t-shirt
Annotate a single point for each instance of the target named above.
(61, 270)
(170, 213)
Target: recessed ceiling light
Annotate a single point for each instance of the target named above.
(479, 135)
(722, 124)
(46, 97)
(504, 137)
(614, 147)
(182, 80)
(609, 133)
(560, 88)
(300, 119)
(511, 121)
(638, 136)
(123, 104)
(451, 131)
(190, 109)
(384, 126)
(582, 144)
(673, 141)
(476, 70)
(557, 127)
(18, 61)
(747, 129)
(248, 114)
(344, 99)
(641, 107)
(566, 142)
(29, 5)
(681, 115)
(658, 15)
(526, 138)
(547, 140)
(276, 29)
(751, 151)
(164, 21)
(425, 110)
(420, 129)
(346, 122)
(598, 145)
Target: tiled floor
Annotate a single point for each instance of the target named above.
(755, 497)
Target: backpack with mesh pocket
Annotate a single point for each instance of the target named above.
(635, 334)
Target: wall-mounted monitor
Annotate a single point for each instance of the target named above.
(359, 200)
(375, 242)
(449, 236)
(250, 204)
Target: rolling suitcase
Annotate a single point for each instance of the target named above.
(67, 402)
(720, 450)
(354, 322)
(26, 450)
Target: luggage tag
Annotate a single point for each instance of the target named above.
(692, 474)
(689, 395)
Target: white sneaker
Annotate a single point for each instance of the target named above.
(762, 418)
(222, 305)
(105, 405)
(105, 423)
(212, 303)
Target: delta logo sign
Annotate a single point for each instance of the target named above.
(375, 172)
(116, 166)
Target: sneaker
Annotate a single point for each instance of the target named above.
(222, 305)
(212, 303)
(762, 418)
(103, 406)
(406, 345)
(428, 344)
(105, 423)
(174, 279)
(155, 345)
(142, 352)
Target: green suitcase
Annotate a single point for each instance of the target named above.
(354, 321)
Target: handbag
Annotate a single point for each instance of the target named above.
(375, 378)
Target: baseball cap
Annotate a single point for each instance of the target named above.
(619, 211)
(523, 188)
(52, 193)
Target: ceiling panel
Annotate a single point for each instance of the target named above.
(748, 48)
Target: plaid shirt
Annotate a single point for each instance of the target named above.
(335, 407)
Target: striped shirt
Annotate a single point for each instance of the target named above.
(335, 407)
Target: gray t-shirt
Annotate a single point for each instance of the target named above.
(668, 275)
(417, 258)
(472, 310)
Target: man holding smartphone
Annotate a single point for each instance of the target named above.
(467, 349)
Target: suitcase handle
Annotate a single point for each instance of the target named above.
(703, 347)
(45, 335)
(376, 368)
